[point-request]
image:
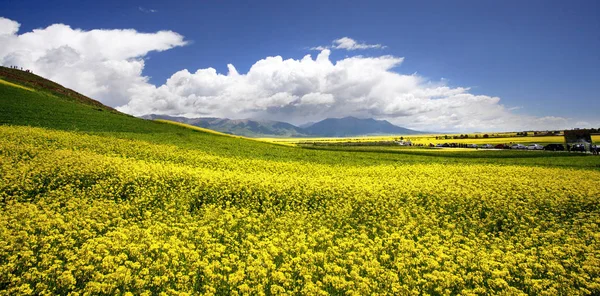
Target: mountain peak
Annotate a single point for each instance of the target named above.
(353, 126)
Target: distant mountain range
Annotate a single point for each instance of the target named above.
(330, 127)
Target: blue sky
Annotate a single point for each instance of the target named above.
(542, 58)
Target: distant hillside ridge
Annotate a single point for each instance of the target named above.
(330, 127)
(240, 127)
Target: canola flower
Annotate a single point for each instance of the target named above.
(478, 139)
(93, 215)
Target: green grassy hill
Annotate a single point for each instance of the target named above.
(96, 202)
(55, 107)
(33, 81)
(52, 106)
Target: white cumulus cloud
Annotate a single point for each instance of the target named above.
(8, 27)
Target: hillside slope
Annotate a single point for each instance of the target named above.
(39, 83)
(52, 109)
(51, 106)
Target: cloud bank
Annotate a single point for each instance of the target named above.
(312, 89)
(107, 65)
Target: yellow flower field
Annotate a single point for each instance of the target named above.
(95, 215)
